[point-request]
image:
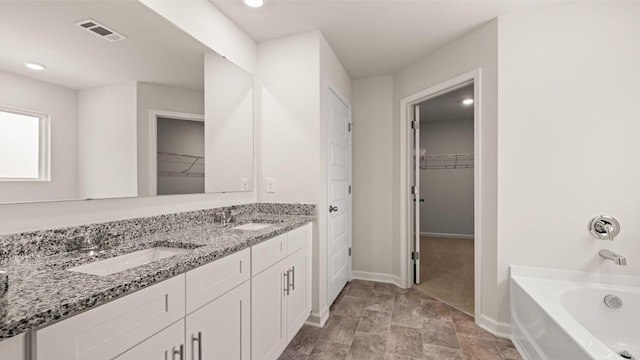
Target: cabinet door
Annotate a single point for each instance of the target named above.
(222, 328)
(298, 301)
(268, 333)
(164, 345)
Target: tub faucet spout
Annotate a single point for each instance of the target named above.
(616, 258)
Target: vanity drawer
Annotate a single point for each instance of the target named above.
(112, 328)
(298, 238)
(209, 281)
(268, 253)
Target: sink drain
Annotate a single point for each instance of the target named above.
(613, 302)
(626, 355)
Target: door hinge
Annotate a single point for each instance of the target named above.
(415, 124)
(349, 251)
(350, 127)
(415, 256)
(349, 189)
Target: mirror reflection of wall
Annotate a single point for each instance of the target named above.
(229, 112)
(99, 96)
(180, 156)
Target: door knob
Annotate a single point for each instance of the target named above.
(332, 208)
(421, 200)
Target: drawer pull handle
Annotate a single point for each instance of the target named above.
(293, 278)
(179, 352)
(286, 289)
(198, 339)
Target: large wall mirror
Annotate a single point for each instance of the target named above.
(104, 99)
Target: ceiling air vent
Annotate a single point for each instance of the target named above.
(100, 30)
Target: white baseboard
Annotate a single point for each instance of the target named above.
(379, 277)
(447, 235)
(318, 320)
(497, 328)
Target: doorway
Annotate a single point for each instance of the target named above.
(176, 153)
(444, 150)
(416, 157)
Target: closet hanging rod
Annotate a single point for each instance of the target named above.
(447, 161)
(180, 154)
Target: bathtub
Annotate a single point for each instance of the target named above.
(561, 315)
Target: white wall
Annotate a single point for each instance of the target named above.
(159, 97)
(448, 193)
(107, 163)
(288, 91)
(372, 178)
(293, 75)
(568, 140)
(477, 49)
(202, 20)
(60, 103)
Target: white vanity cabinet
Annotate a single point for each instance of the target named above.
(244, 306)
(280, 293)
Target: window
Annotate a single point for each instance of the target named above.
(24, 145)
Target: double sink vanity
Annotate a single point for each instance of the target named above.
(177, 286)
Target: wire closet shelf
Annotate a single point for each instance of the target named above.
(446, 161)
(176, 164)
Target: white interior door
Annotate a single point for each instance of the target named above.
(416, 194)
(339, 207)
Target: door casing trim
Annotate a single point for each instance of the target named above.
(406, 163)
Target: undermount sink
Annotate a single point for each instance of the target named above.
(128, 261)
(252, 226)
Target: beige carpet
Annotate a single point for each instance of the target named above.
(446, 271)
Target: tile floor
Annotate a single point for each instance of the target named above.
(371, 320)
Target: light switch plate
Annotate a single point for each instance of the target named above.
(271, 185)
(244, 184)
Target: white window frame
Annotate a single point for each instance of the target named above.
(44, 156)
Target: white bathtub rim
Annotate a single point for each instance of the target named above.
(551, 284)
(575, 276)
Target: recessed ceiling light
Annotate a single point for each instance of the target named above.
(254, 3)
(34, 66)
(467, 101)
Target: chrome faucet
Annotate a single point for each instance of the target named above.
(101, 240)
(227, 217)
(83, 243)
(616, 258)
(604, 227)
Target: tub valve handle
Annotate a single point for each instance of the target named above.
(604, 227)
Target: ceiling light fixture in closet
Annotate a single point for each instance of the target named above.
(35, 66)
(467, 101)
(254, 3)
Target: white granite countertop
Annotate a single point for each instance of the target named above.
(42, 290)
